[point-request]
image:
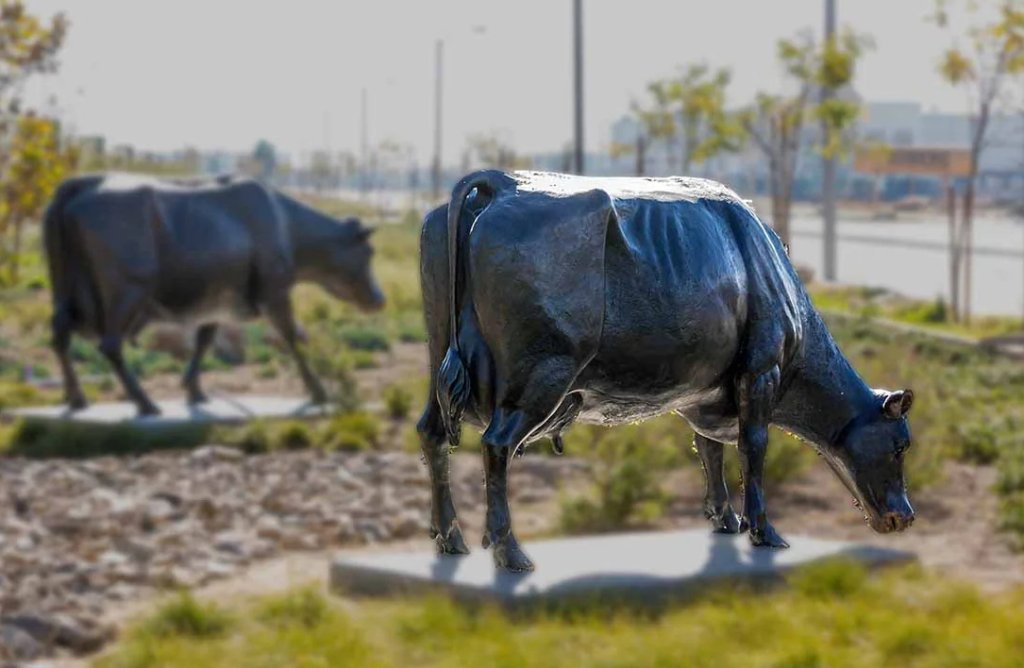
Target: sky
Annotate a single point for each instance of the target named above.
(223, 74)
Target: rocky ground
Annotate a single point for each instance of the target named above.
(78, 537)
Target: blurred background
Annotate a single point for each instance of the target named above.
(883, 141)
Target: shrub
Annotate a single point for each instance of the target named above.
(979, 443)
(187, 617)
(293, 435)
(17, 394)
(304, 608)
(353, 431)
(262, 436)
(397, 401)
(625, 475)
(365, 337)
(32, 438)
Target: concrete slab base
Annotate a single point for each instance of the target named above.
(643, 567)
(176, 412)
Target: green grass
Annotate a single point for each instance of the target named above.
(830, 615)
(935, 314)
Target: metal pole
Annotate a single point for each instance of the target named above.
(954, 253)
(364, 148)
(828, 184)
(438, 73)
(577, 8)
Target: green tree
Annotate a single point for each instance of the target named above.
(30, 160)
(657, 120)
(775, 123)
(705, 127)
(36, 165)
(993, 56)
(27, 46)
(264, 157)
(490, 150)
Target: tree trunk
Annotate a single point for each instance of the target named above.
(780, 203)
(16, 251)
(966, 246)
(641, 157)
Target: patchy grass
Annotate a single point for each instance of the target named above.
(833, 614)
(936, 314)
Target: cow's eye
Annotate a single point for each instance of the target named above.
(901, 449)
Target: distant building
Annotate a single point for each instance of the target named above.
(1001, 169)
(898, 124)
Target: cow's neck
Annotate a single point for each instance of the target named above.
(309, 230)
(823, 393)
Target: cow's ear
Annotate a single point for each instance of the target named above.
(897, 404)
(365, 233)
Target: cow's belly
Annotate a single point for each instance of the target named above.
(674, 353)
(195, 296)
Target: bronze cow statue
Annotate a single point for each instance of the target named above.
(125, 250)
(552, 298)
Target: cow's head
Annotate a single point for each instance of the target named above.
(347, 273)
(868, 458)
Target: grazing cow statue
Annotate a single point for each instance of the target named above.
(125, 250)
(552, 298)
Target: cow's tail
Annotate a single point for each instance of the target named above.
(58, 250)
(453, 386)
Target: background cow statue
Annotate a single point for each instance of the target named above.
(551, 298)
(124, 251)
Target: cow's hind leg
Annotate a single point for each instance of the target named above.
(62, 326)
(716, 493)
(526, 405)
(444, 524)
(190, 381)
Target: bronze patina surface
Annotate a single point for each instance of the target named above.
(552, 298)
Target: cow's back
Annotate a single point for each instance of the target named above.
(194, 248)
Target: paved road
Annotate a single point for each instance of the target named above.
(880, 254)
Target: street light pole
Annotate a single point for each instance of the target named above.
(578, 73)
(828, 184)
(438, 73)
(364, 180)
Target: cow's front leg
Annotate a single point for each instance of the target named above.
(125, 312)
(279, 310)
(756, 398)
(498, 528)
(716, 493)
(190, 381)
(444, 524)
(111, 346)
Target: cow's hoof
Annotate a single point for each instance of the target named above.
(451, 542)
(197, 397)
(766, 536)
(727, 522)
(318, 398)
(77, 403)
(509, 556)
(146, 410)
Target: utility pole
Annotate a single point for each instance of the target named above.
(577, 9)
(438, 71)
(828, 183)
(365, 149)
